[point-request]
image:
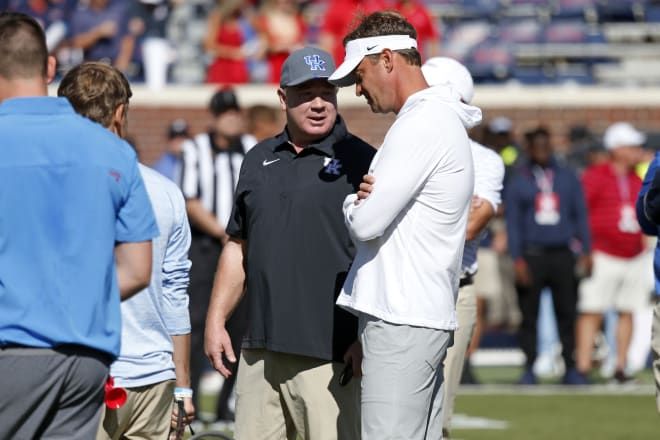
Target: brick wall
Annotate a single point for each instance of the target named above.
(148, 121)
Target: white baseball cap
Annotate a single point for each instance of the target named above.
(357, 49)
(623, 134)
(500, 124)
(445, 70)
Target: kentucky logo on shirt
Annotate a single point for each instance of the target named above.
(315, 62)
(332, 166)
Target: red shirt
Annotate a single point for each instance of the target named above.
(417, 15)
(344, 15)
(226, 70)
(610, 202)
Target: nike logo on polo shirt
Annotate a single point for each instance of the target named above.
(369, 48)
(268, 162)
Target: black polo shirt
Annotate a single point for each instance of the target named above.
(288, 207)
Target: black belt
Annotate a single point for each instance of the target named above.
(466, 280)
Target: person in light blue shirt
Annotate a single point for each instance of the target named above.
(170, 163)
(156, 321)
(75, 236)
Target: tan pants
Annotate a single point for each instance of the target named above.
(279, 395)
(466, 313)
(145, 415)
(655, 348)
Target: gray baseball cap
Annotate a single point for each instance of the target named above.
(305, 64)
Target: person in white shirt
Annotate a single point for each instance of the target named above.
(409, 223)
(488, 178)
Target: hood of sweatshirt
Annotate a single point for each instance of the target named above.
(469, 115)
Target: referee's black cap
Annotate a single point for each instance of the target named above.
(222, 101)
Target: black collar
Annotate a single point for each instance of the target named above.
(323, 145)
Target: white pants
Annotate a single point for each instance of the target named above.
(402, 382)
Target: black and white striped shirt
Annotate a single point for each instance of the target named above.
(211, 174)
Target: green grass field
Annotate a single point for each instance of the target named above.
(499, 410)
(564, 416)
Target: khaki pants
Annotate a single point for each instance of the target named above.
(655, 347)
(466, 313)
(279, 395)
(146, 414)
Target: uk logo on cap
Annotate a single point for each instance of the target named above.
(315, 62)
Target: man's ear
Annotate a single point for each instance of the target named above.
(282, 95)
(388, 59)
(118, 124)
(51, 69)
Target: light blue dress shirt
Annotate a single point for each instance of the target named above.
(152, 316)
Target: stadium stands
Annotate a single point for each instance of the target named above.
(524, 41)
(553, 41)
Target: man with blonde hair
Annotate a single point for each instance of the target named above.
(155, 352)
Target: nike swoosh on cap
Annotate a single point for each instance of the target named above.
(370, 48)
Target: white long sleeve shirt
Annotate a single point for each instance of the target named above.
(410, 231)
(488, 178)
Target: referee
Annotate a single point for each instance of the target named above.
(211, 165)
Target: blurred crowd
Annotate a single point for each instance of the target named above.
(197, 41)
(565, 266)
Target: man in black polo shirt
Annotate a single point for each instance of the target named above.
(288, 245)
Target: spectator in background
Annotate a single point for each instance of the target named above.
(211, 166)
(339, 18)
(52, 15)
(230, 42)
(428, 37)
(581, 145)
(100, 29)
(648, 215)
(155, 350)
(262, 122)
(499, 136)
(546, 215)
(76, 238)
(154, 52)
(170, 164)
(621, 279)
(282, 28)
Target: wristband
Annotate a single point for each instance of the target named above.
(180, 393)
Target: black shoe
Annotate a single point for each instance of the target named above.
(621, 378)
(467, 378)
(528, 378)
(574, 377)
(445, 433)
(226, 416)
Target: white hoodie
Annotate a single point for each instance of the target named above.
(410, 231)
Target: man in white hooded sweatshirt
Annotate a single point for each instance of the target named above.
(409, 224)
